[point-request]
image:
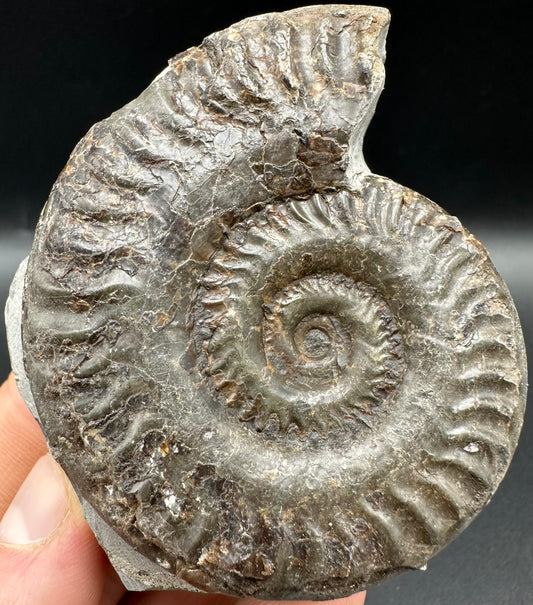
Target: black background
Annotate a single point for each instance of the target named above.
(454, 123)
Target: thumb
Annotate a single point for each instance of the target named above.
(48, 554)
(39, 507)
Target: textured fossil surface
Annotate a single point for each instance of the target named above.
(268, 370)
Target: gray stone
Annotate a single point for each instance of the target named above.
(266, 370)
(13, 317)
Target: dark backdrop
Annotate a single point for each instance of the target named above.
(454, 123)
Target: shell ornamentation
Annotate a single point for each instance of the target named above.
(266, 370)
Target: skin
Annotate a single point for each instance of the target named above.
(68, 566)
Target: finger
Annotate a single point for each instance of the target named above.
(178, 597)
(355, 599)
(21, 442)
(48, 554)
(191, 598)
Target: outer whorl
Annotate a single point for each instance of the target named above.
(269, 371)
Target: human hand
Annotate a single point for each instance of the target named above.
(48, 553)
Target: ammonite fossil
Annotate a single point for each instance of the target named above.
(266, 370)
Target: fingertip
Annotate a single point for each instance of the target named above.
(49, 554)
(39, 506)
(10, 394)
(9, 384)
(355, 599)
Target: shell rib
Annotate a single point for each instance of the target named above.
(270, 371)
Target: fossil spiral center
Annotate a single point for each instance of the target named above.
(322, 351)
(290, 336)
(314, 342)
(306, 341)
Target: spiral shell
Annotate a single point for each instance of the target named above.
(268, 370)
(307, 355)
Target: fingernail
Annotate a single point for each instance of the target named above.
(39, 506)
